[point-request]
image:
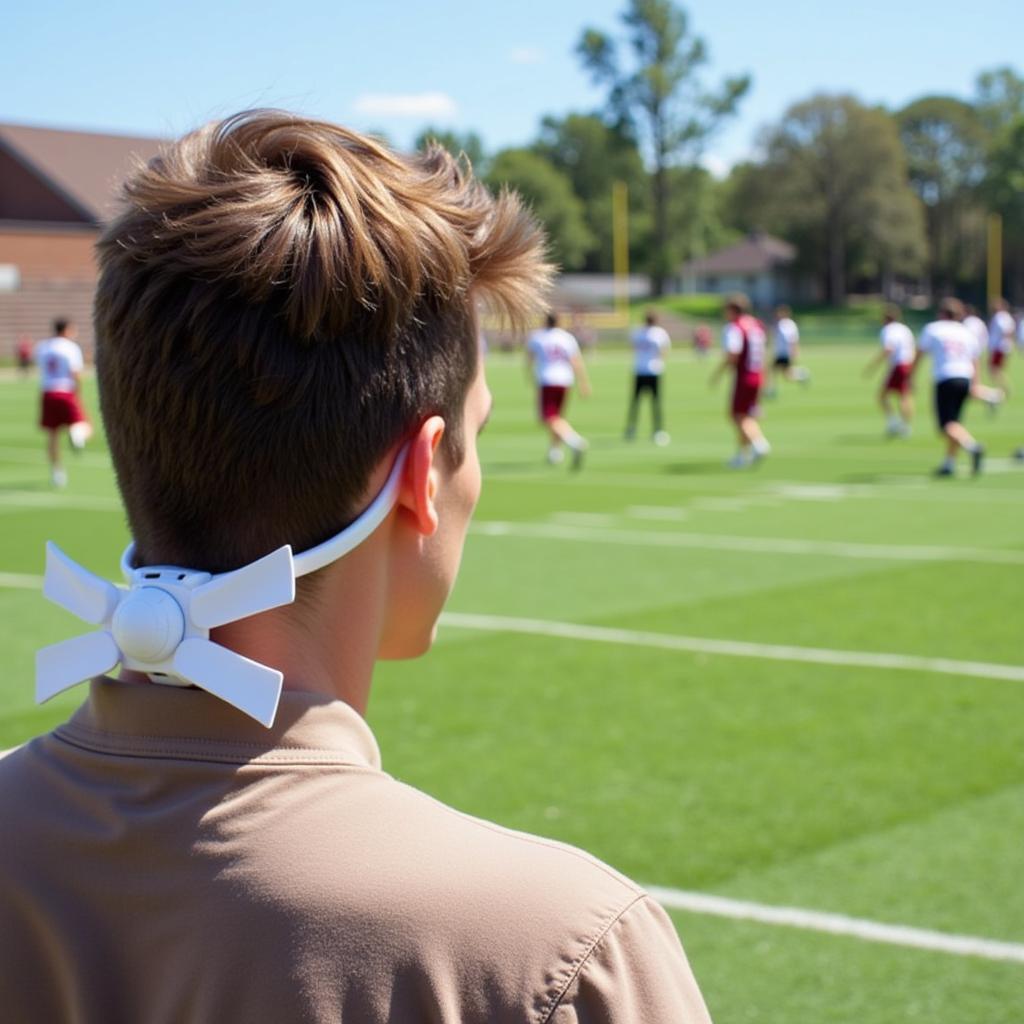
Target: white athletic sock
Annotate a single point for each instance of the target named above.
(761, 446)
(575, 442)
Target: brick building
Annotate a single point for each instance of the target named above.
(56, 190)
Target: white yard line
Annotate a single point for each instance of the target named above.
(757, 545)
(838, 924)
(15, 500)
(732, 648)
(20, 581)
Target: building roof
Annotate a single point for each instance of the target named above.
(756, 254)
(84, 168)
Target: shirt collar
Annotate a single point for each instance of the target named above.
(152, 720)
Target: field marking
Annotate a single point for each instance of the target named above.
(732, 648)
(664, 513)
(20, 581)
(756, 545)
(893, 488)
(584, 518)
(17, 500)
(838, 924)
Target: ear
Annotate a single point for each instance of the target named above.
(419, 481)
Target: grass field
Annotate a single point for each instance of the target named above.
(762, 757)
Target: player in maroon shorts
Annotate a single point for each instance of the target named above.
(556, 363)
(744, 342)
(60, 370)
(897, 351)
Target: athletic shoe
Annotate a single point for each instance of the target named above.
(555, 456)
(739, 461)
(78, 434)
(759, 451)
(577, 459)
(58, 478)
(1019, 454)
(977, 457)
(661, 438)
(943, 471)
(629, 435)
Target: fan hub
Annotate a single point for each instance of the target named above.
(148, 625)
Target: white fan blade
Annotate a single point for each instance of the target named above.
(82, 593)
(246, 685)
(61, 666)
(267, 583)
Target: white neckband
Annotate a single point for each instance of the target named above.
(341, 543)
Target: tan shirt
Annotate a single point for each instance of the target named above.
(165, 859)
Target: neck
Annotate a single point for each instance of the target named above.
(327, 642)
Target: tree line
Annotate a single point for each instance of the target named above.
(874, 199)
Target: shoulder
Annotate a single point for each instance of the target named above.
(505, 913)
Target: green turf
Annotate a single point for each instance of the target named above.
(894, 795)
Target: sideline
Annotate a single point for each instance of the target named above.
(21, 581)
(732, 648)
(757, 545)
(838, 924)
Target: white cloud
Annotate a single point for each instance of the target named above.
(526, 55)
(718, 166)
(420, 104)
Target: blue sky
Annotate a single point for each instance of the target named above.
(159, 69)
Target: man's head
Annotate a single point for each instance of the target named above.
(551, 319)
(736, 306)
(1000, 305)
(63, 328)
(892, 314)
(283, 302)
(783, 312)
(651, 318)
(951, 309)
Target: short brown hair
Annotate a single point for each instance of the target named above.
(280, 302)
(951, 309)
(739, 302)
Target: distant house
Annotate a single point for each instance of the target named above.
(56, 190)
(760, 266)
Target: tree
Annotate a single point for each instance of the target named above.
(836, 183)
(594, 155)
(468, 143)
(659, 97)
(999, 98)
(549, 192)
(944, 141)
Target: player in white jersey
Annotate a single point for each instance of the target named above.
(954, 352)
(650, 344)
(1001, 331)
(60, 371)
(897, 352)
(787, 352)
(990, 396)
(554, 357)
